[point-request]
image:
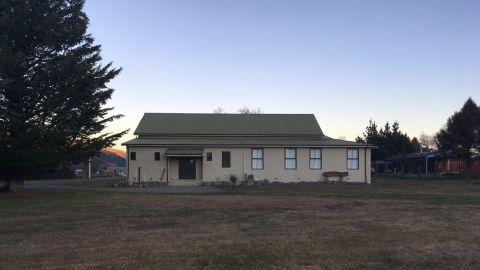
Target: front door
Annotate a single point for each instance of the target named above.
(186, 168)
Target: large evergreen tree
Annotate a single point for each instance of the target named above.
(52, 88)
(461, 134)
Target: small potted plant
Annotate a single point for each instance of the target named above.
(233, 179)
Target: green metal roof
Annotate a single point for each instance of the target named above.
(243, 142)
(228, 124)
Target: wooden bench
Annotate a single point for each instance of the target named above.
(340, 175)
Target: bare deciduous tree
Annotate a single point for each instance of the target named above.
(242, 110)
(247, 110)
(427, 141)
(219, 110)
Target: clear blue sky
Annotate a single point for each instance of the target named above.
(344, 61)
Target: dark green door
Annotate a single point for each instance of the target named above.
(186, 168)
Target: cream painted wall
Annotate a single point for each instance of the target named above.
(213, 171)
(333, 159)
(172, 169)
(151, 170)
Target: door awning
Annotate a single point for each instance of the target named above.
(184, 152)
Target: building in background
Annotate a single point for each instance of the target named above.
(433, 162)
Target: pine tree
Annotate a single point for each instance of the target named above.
(389, 140)
(461, 134)
(53, 88)
(371, 136)
(417, 147)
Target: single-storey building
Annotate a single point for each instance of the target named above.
(191, 148)
(432, 162)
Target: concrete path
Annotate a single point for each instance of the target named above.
(64, 185)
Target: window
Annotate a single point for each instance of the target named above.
(315, 158)
(209, 156)
(225, 159)
(290, 158)
(257, 158)
(352, 159)
(157, 156)
(133, 155)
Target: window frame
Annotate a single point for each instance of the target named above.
(310, 158)
(285, 158)
(224, 154)
(357, 158)
(209, 156)
(133, 155)
(156, 156)
(262, 158)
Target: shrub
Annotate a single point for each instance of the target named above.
(233, 179)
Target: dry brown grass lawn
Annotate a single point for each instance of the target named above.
(391, 224)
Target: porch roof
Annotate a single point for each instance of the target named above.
(184, 152)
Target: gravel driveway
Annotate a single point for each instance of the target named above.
(65, 184)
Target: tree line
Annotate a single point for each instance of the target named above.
(389, 140)
(459, 138)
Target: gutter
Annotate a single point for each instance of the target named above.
(365, 161)
(253, 145)
(128, 164)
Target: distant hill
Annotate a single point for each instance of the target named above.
(118, 152)
(110, 157)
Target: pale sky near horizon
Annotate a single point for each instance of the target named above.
(344, 61)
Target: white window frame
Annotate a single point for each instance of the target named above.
(294, 158)
(315, 158)
(257, 158)
(353, 157)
